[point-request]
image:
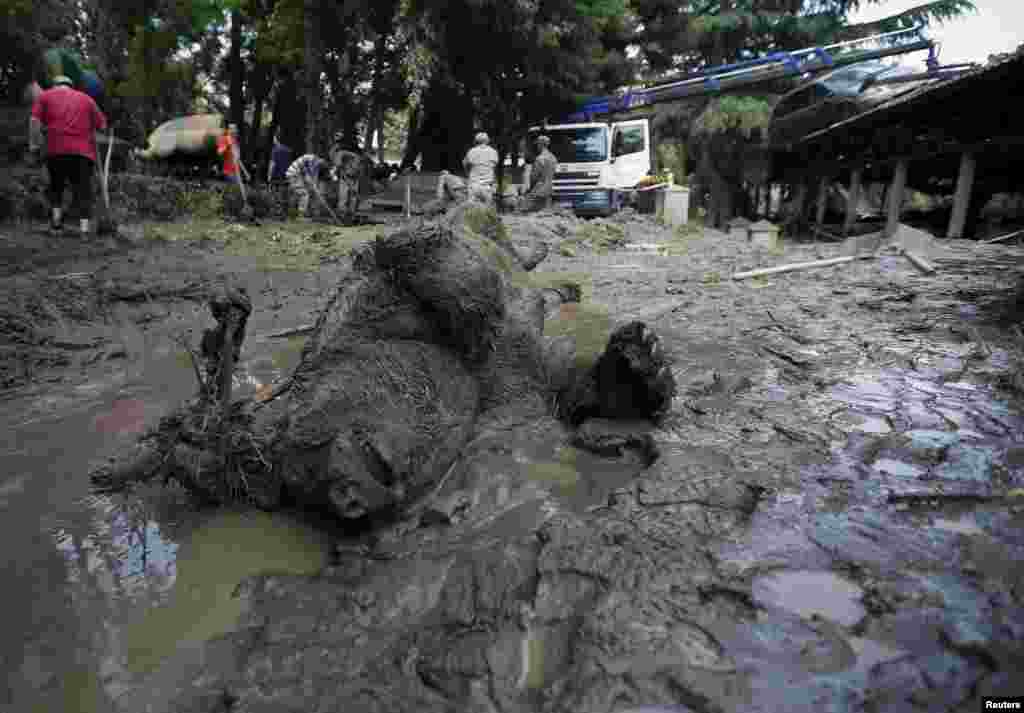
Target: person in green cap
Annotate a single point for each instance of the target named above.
(70, 119)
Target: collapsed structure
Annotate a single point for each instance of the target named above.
(951, 132)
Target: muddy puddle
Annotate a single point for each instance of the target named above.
(104, 589)
(811, 594)
(580, 478)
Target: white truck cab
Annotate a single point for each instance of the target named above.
(597, 161)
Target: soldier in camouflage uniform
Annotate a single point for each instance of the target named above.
(350, 168)
(540, 179)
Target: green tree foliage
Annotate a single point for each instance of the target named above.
(540, 58)
(687, 34)
(27, 29)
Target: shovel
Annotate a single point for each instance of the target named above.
(247, 212)
(323, 202)
(106, 224)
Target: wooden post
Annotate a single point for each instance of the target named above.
(799, 200)
(962, 198)
(852, 201)
(819, 216)
(899, 183)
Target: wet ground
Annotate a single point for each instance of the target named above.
(835, 522)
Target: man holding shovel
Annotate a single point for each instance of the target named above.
(71, 119)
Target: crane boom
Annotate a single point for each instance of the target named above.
(727, 77)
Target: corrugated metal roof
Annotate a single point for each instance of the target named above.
(927, 91)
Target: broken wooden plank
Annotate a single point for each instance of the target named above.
(300, 331)
(825, 234)
(786, 356)
(799, 266)
(919, 262)
(1001, 238)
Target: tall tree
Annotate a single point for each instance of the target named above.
(236, 71)
(539, 58)
(312, 60)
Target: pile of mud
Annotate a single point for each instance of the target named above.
(137, 197)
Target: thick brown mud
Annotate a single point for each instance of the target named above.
(834, 522)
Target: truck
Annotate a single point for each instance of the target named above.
(601, 162)
(598, 162)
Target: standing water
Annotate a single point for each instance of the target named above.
(98, 590)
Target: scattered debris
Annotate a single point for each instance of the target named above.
(919, 262)
(799, 266)
(300, 331)
(1001, 238)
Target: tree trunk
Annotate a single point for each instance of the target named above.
(291, 122)
(312, 69)
(237, 71)
(380, 135)
(351, 127)
(722, 51)
(259, 142)
(372, 123)
(412, 143)
(447, 128)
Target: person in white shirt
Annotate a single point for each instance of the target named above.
(480, 164)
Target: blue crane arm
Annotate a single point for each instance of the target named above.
(770, 67)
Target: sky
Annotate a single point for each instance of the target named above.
(997, 26)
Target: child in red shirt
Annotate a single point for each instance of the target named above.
(227, 147)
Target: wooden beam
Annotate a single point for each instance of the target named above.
(852, 200)
(919, 262)
(1000, 239)
(964, 183)
(896, 188)
(793, 267)
(925, 150)
(819, 217)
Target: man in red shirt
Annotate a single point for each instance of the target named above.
(71, 119)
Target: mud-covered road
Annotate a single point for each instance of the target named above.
(836, 521)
